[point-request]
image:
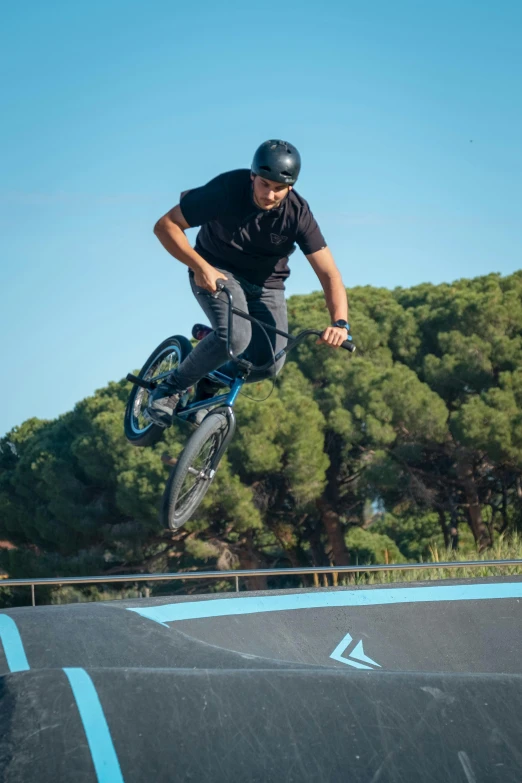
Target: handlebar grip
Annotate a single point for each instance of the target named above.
(220, 285)
(349, 346)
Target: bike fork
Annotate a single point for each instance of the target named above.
(229, 413)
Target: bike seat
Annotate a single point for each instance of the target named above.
(199, 331)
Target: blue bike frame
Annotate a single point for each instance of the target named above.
(220, 400)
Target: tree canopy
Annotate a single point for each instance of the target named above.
(351, 458)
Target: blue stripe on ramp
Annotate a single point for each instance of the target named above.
(97, 731)
(12, 643)
(223, 607)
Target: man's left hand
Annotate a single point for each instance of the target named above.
(334, 336)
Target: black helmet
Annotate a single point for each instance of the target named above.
(277, 161)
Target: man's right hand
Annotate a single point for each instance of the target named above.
(207, 276)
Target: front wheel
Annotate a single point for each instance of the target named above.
(139, 430)
(190, 479)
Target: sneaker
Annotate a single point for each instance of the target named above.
(162, 404)
(198, 416)
(205, 389)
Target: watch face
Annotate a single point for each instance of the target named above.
(340, 322)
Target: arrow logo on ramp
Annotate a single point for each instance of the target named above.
(356, 657)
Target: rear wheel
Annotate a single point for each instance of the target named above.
(139, 430)
(192, 475)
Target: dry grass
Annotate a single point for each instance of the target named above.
(504, 548)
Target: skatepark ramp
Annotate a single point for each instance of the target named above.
(410, 682)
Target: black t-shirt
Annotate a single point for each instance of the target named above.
(238, 236)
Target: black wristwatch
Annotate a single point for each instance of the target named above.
(342, 323)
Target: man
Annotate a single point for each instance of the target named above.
(251, 221)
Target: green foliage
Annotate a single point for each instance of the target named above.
(424, 423)
(368, 548)
(414, 535)
(492, 423)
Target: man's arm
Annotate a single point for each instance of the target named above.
(170, 230)
(325, 268)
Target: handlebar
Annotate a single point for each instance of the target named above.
(347, 345)
(292, 341)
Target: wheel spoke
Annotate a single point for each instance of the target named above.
(188, 492)
(159, 369)
(199, 466)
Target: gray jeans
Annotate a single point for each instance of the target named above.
(248, 340)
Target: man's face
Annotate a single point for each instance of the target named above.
(268, 194)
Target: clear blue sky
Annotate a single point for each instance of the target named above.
(407, 115)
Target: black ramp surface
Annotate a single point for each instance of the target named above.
(390, 636)
(450, 635)
(106, 635)
(455, 626)
(269, 726)
(405, 683)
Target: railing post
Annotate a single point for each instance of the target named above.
(237, 584)
(32, 595)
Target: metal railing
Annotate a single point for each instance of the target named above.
(239, 574)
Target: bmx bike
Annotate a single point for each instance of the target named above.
(193, 472)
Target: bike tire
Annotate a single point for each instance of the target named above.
(177, 505)
(147, 434)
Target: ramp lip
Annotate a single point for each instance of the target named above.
(222, 607)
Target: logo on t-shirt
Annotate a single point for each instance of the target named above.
(277, 239)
